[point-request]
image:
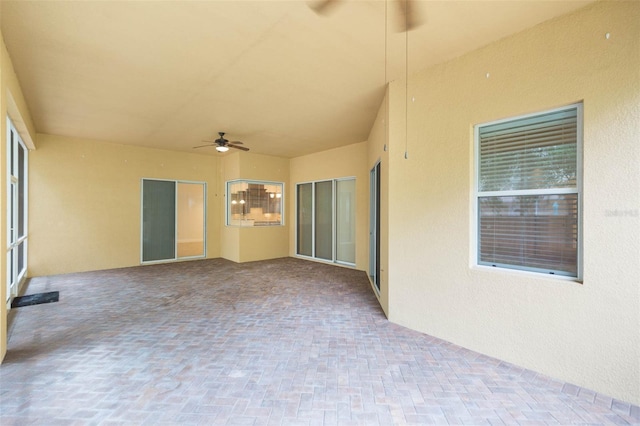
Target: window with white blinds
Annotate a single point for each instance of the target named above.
(528, 192)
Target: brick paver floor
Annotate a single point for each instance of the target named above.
(282, 342)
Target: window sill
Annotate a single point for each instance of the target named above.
(530, 274)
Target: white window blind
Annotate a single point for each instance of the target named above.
(528, 192)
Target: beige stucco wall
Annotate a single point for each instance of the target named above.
(229, 235)
(85, 200)
(247, 244)
(584, 333)
(348, 161)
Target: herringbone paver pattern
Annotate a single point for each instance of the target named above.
(282, 342)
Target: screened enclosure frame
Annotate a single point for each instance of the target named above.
(522, 173)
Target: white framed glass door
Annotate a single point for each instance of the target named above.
(17, 161)
(346, 221)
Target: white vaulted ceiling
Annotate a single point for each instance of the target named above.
(274, 74)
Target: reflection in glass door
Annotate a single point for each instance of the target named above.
(173, 220)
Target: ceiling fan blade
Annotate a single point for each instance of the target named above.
(202, 146)
(242, 148)
(323, 7)
(408, 16)
(237, 142)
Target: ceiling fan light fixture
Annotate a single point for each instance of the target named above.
(222, 148)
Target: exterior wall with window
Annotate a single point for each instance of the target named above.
(349, 161)
(243, 243)
(581, 330)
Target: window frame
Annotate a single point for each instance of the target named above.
(578, 190)
(228, 200)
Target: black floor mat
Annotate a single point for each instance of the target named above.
(35, 299)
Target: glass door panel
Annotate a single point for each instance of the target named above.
(158, 220)
(305, 219)
(346, 221)
(324, 220)
(374, 226)
(190, 219)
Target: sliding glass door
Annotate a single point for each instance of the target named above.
(325, 227)
(17, 160)
(374, 225)
(346, 221)
(304, 234)
(190, 219)
(158, 220)
(323, 223)
(173, 224)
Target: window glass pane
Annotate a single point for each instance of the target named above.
(304, 219)
(13, 236)
(529, 153)
(324, 220)
(254, 203)
(374, 225)
(21, 190)
(11, 282)
(190, 219)
(21, 257)
(158, 220)
(346, 221)
(237, 202)
(12, 144)
(537, 232)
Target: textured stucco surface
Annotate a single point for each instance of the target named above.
(85, 198)
(585, 333)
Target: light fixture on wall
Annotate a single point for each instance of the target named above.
(222, 148)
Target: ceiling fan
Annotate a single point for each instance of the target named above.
(223, 145)
(407, 16)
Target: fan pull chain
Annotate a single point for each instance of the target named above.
(406, 81)
(385, 99)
